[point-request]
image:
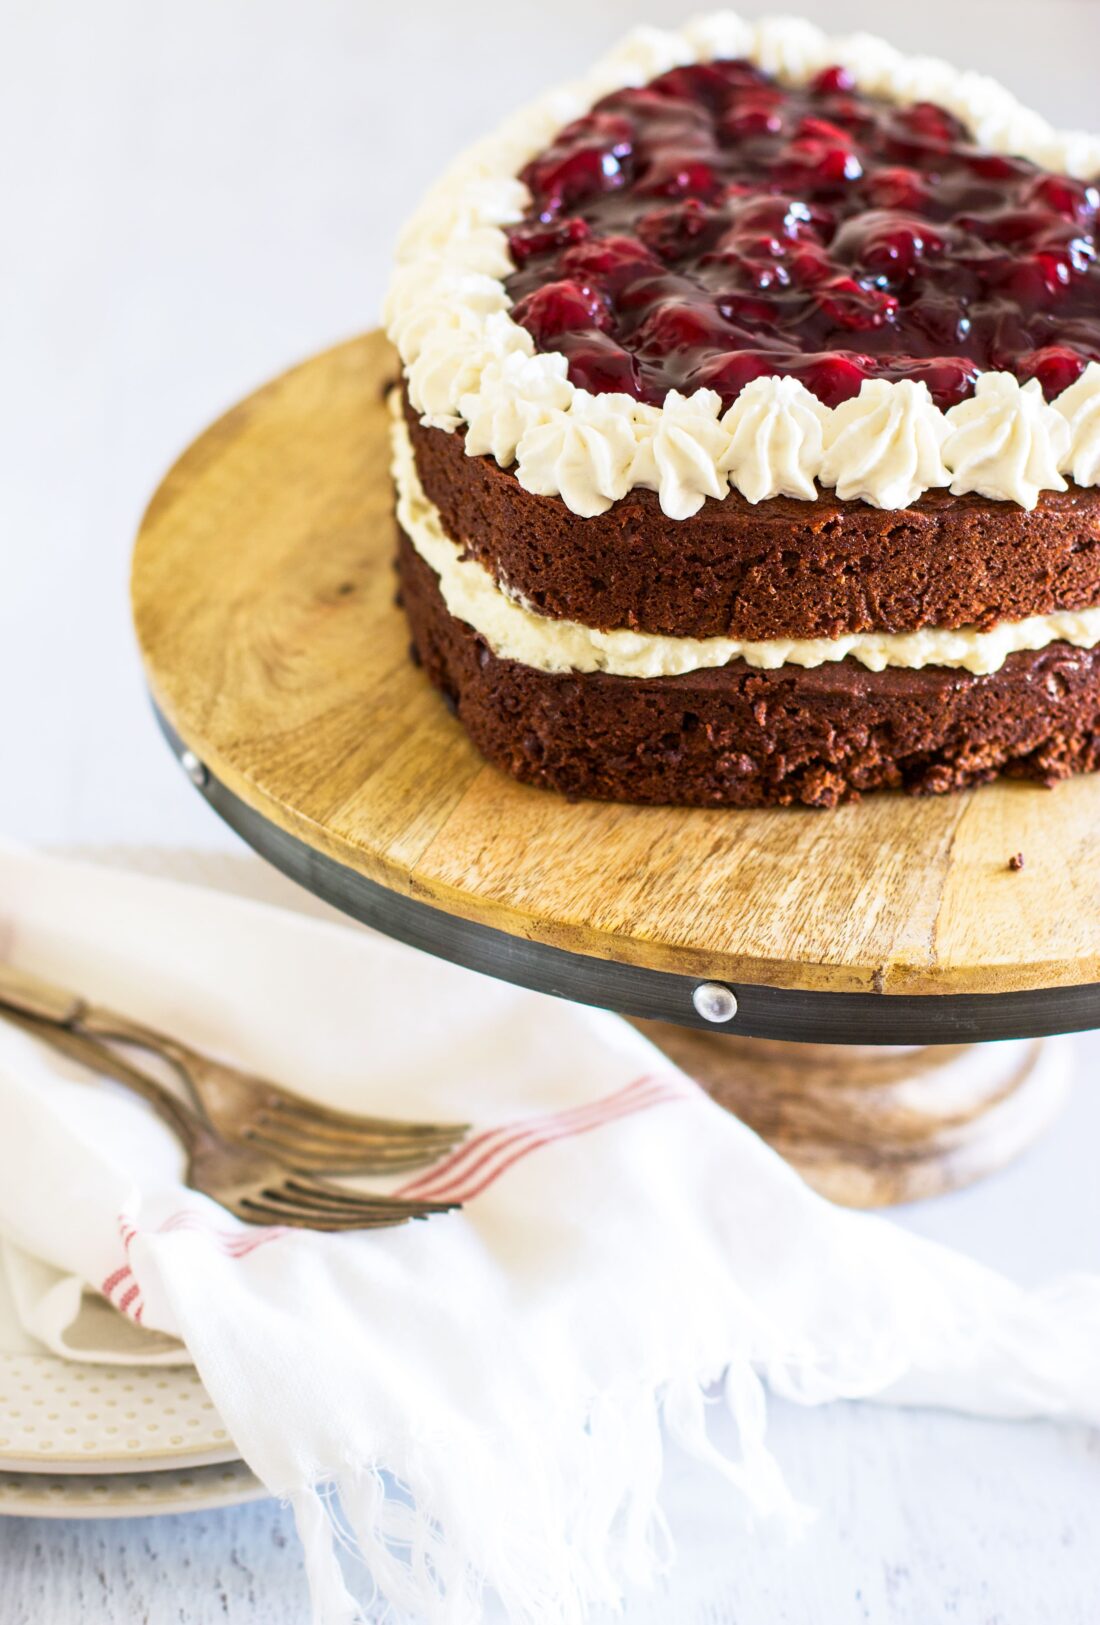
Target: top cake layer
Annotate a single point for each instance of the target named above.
(907, 240)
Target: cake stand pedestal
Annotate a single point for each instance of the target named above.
(748, 944)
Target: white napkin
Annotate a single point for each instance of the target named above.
(485, 1390)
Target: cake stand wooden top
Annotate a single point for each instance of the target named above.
(264, 603)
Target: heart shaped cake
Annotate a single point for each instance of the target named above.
(747, 450)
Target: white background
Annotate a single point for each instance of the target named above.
(192, 196)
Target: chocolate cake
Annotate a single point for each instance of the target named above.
(748, 445)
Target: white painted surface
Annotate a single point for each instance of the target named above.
(195, 195)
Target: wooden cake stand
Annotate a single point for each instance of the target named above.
(747, 944)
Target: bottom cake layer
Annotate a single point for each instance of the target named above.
(739, 736)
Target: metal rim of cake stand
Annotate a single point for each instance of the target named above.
(756, 1010)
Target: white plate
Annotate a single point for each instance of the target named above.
(61, 1416)
(127, 1495)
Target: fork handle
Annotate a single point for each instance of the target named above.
(184, 1122)
(42, 1001)
(33, 996)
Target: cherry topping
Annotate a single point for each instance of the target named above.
(896, 188)
(608, 257)
(751, 116)
(680, 174)
(680, 229)
(729, 374)
(715, 226)
(852, 305)
(680, 325)
(887, 244)
(834, 378)
(561, 307)
(819, 163)
(930, 122)
(832, 79)
(1055, 366)
(587, 158)
(1061, 195)
(528, 242)
(950, 379)
(598, 364)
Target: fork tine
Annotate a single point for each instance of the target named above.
(328, 1139)
(321, 1194)
(353, 1216)
(303, 1123)
(308, 1155)
(254, 1211)
(324, 1136)
(350, 1123)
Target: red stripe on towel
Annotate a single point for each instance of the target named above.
(477, 1165)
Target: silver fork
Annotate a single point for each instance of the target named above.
(240, 1107)
(247, 1182)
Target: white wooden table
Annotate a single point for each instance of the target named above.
(195, 195)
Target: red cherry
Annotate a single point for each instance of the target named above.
(750, 312)
(728, 374)
(679, 174)
(849, 112)
(528, 242)
(819, 129)
(1061, 195)
(818, 162)
(896, 188)
(832, 79)
(780, 217)
(737, 245)
(586, 159)
(930, 122)
(849, 305)
(679, 229)
(885, 243)
(736, 71)
(950, 379)
(677, 325)
(1055, 365)
(809, 267)
(939, 318)
(701, 82)
(756, 113)
(561, 307)
(598, 364)
(1033, 279)
(608, 257)
(564, 182)
(994, 166)
(648, 112)
(835, 377)
(1010, 226)
(611, 130)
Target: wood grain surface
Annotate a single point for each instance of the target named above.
(263, 600)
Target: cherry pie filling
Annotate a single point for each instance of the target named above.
(715, 226)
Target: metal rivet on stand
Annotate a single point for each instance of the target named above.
(714, 1002)
(194, 769)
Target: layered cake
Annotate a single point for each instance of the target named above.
(747, 448)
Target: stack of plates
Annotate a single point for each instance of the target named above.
(94, 1441)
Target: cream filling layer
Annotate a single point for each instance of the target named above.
(514, 631)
